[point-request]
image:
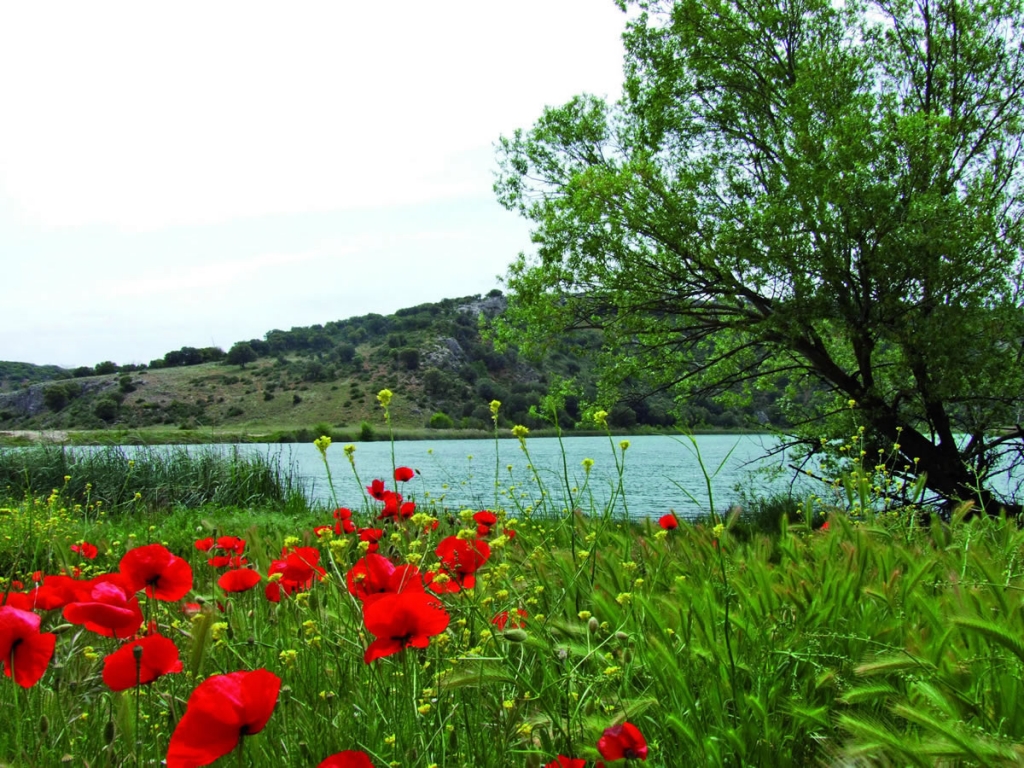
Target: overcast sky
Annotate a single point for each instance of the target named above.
(200, 173)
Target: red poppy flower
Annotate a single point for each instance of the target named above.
(350, 758)
(191, 609)
(205, 545)
(86, 550)
(669, 522)
(824, 526)
(104, 607)
(18, 600)
(226, 561)
(504, 619)
(485, 517)
(460, 559)
(392, 504)
(273, 592)
(462, 556)
(56, 591)
(567, 762)
(342, 513)
(375, 575)
(403, 474)
(231, 544)
(299, 566)
(376, 489)
(372, 536)
(122, 671)
(24, 650)
(402, 620)
(240, 580)
(622, 742)
(221, 710)
(154, 568)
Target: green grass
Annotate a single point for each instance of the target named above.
(119, 477)
(876, 641)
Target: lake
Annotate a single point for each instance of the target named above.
(660, 473)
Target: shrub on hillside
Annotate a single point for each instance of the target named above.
(440, 420)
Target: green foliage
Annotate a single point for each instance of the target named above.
(874, 642)
(409, 357)
(793, 194)
(367, 433)
(164, 477)
(57, 396)
(440, 420)
(106, 408)
(106, 367)
(240, 354)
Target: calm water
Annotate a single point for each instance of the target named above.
(660, 474)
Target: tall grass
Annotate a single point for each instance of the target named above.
(870, 641)
(162, 477)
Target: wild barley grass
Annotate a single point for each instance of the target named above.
(873, 640)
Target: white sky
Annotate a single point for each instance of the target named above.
(200, 173)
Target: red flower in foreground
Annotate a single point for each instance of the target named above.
(105, 608)
(56, 591)
(402, 619)
(567, 762)
(23, 648)
(669, 522)
(221, 710)
(404, 474)
(350, 758)
(156, 569)
(86, 550)
(622, 742)
(462, 556)
(240, 580)
(375, 574)
(121, 671)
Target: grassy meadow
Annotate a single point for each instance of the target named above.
(546, 633)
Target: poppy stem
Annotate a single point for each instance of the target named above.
(137, 653)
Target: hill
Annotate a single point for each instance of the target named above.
(443, 371)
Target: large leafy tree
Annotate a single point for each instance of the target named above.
(798, 191)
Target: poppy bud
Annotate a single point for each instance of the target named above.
(108, 732)
(515, 635)
(44, 725)
(621, 636)
(593, 625)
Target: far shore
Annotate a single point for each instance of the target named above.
(25, 437)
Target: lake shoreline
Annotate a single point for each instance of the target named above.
(284, 436)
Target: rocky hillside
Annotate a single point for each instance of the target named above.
(443, 372)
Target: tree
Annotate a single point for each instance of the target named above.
(827, 192)
(241, 353)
